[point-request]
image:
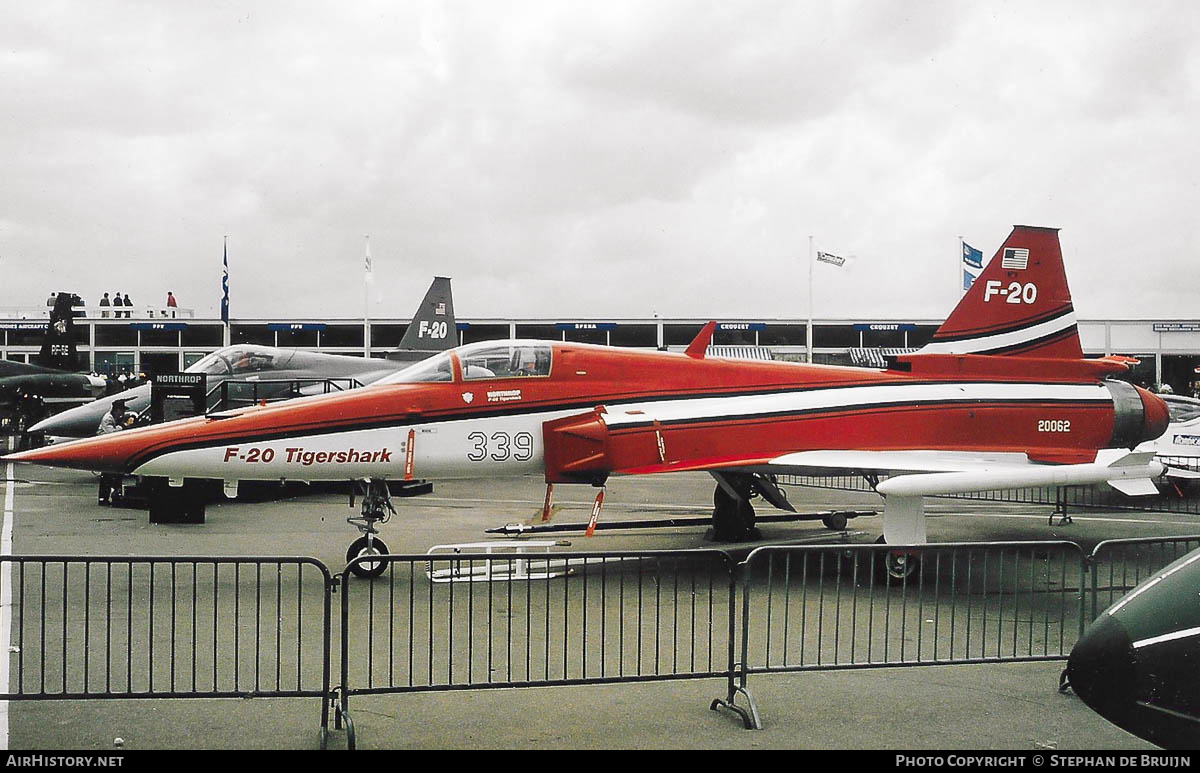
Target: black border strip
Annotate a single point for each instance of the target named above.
(1002, 328)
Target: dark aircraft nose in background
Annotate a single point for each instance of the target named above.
(1138, 664)
(84, 420)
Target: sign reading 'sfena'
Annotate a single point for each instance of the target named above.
(585, 326)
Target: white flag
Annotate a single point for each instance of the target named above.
(826, 257)
(370, 275)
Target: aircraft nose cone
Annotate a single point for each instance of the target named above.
(1139, 663)
(1102, 671)
(103, 453)
(76, 422)
(1155, 414)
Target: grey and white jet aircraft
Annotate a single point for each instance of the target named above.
(432, 330)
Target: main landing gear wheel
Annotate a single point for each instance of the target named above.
(897, 566)
(835, 521)
(367, 546)
(733, 518)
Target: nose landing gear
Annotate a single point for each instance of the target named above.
(376, 508)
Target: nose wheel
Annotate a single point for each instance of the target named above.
(376, 508)
(368, 545)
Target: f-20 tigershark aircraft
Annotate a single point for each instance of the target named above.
(52, 374)
(1001, 397)
(432, 330)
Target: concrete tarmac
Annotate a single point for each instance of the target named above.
(991, 706)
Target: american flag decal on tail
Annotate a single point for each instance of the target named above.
(1015, 258)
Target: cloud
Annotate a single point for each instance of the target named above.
(573, 159)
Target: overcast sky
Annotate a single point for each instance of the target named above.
(595, 159)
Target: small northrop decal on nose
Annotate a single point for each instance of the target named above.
(504, 395)
(306, 458)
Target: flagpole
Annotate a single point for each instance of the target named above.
(810, 299)
(959, 281)
(225, 288)
(366, 299)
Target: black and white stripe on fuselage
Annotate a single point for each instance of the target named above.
(822, 400)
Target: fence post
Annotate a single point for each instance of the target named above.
(749, 715)
(1091, 568)
(342, 714)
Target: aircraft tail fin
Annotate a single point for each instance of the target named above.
(1020, 306)
(433, 328)
(58, 347)
(699, 344)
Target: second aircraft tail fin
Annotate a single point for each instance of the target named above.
(58, 347)
(433, 328)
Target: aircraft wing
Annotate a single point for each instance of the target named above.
(583, 447)
(894, 462)
(932, 473)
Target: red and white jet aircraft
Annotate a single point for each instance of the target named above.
(1001, 397)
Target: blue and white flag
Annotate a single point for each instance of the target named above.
(968, 280)
(971, 256)
(225, 286)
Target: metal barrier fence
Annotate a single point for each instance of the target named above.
(1176, 496)
(1185, 462)
(1117, 566)
(168, 627)
(837, 607)
(471, 621)
(191, 627)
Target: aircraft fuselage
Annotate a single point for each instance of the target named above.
(593, 411)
